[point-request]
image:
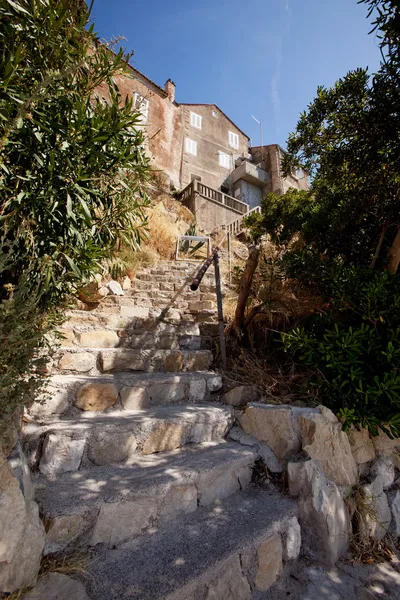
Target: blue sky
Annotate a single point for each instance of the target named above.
(263, 57)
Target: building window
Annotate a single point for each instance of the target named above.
(299, 173)
(237, 192)
(215, 114)
(195, 120)
(233, 139)
(191, 146)
(142, 105)
(225, 160)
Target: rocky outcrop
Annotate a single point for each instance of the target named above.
(324, 441)
(22, 533)
(323, 515)
(272, 425)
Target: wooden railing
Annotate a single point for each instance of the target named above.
(196, 187)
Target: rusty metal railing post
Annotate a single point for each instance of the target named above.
(214, 258)
(221, 328)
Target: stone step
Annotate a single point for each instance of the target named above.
(121, 338)
(56, 446)
(97, 361)
(192, 306)
(68, 395)
(83, 320)
(151, 294)
(230, 551)
(154, 489)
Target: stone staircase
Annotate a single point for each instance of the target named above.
(130, 454)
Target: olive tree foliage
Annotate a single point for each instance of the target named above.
(73, 171)
(348, 139)
(342, 237)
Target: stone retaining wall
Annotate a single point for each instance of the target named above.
(346, 483)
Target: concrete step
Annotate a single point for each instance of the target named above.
(56, 446)
(95, 361)
(123, 391)
(154, 489)
(230, 551)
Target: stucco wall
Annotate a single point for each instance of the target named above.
(269, 157)
(249, 193)
(211, 138)
(164, 124)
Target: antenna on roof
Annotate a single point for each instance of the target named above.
(260, 124)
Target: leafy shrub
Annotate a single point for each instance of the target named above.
(355, 348)
(73, 175)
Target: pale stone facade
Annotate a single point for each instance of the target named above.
(199, 141)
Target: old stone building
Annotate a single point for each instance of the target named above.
(204, 154)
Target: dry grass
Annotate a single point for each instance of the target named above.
(72, 564)
(168, 219)
(278, 383)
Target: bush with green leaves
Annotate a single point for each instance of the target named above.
(73, 174)
(354, 347)
(73, 169)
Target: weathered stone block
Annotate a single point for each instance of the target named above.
(325, 442)
(173, 362)
(324, 518)
(56, 402)
(122, 520)
(273, 463)
(67, 338)
(375, 515)
(62, 531)
(109, 446)
(124, 360)
(167, 393)
(361, 445)
(55, 586)
(203, 305)
(190, 342)
(214, 383)
(21, 533)
(115, 288)
(60, 454)
(134, 398)
(382, 442)
(180, 499)
(81, 362)
(230, 584)
(383, 468)
(269, 562)
(199, 361)
(215, 485)
(134, 311)
(394, 502)
(241, 395)
(96, 396)
(99, 339)
(167, 436)
(272, 425)
(197, 390)
(291, 542)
